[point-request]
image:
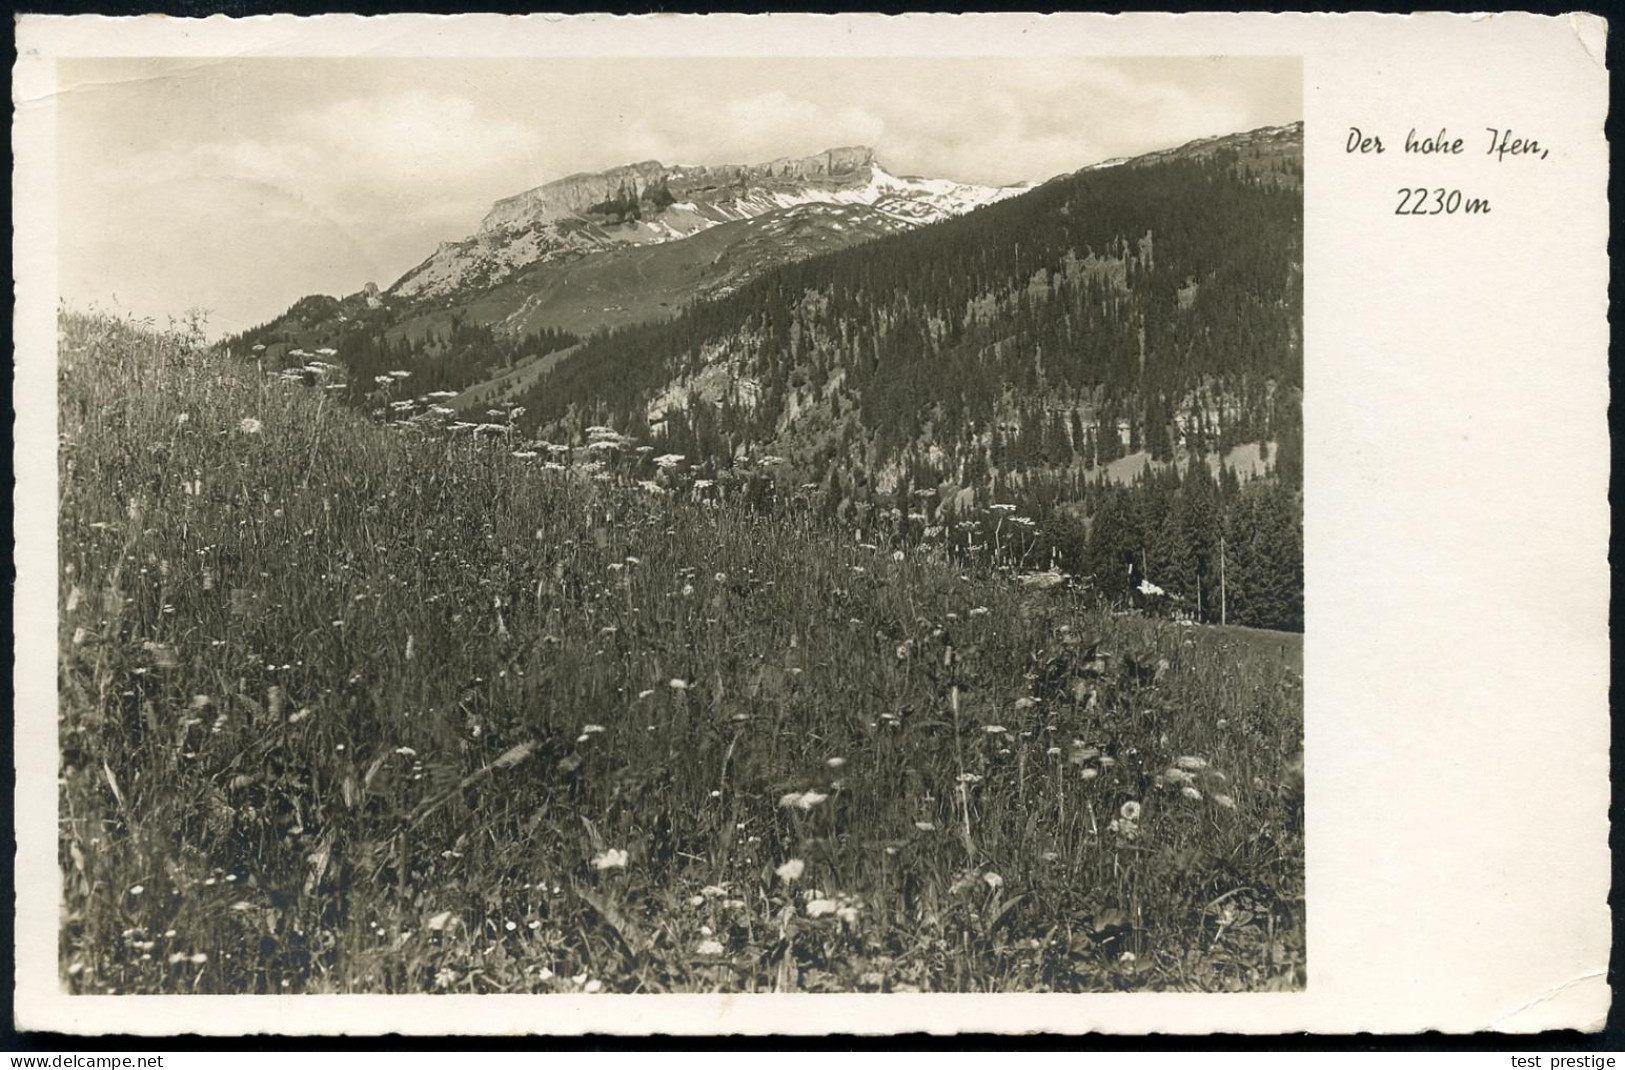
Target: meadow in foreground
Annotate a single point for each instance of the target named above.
(347, 709)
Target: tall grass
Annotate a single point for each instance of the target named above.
(347, 709)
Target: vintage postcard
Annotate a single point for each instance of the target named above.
(626, 525)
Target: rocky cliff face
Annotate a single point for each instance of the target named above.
(577, 193)
(651, 203)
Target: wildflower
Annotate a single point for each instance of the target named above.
(710, 949)
(593, 987)
(1191, 762)
(1225, 801)
(591, 729)
(1130, 811)
(804, 800)
(1126, 957)
(679, 684)
(646, 692)
(137, 889)
(820, 907)
(994, 729)
(1026, 702)
(968, 778)
(1191, 793)
(848, 914)
(713, 891)
(925, 826)
(250, 425)
(696, 900)
(791, 870)
(993, 881)
(183, 418)
(835, 763)
(669, 461)
(614, 858)
(1053, 752)
(1090, 773)
(1179, 776)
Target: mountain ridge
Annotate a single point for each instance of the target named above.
(651, 203)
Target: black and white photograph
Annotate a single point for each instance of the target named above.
(720, 525)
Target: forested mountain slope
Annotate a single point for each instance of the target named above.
(1011, 356)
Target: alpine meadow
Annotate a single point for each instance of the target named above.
(779, 577)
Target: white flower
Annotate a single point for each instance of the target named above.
(1225, 801)
(250, 425)
(819, 907)
(1130, 811)
(1191, 793)
(614, 858)
(1191, 762)
(804, 800)
(791, 870)
(925, 826)
(993, 881)
(994, 729)
(594, 986)
(710, 949)
(835, 763)
(847, 914)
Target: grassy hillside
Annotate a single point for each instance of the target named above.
(348, 707)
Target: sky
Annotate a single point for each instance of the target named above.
(240, 185)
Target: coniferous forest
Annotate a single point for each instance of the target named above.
(1068, 352)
